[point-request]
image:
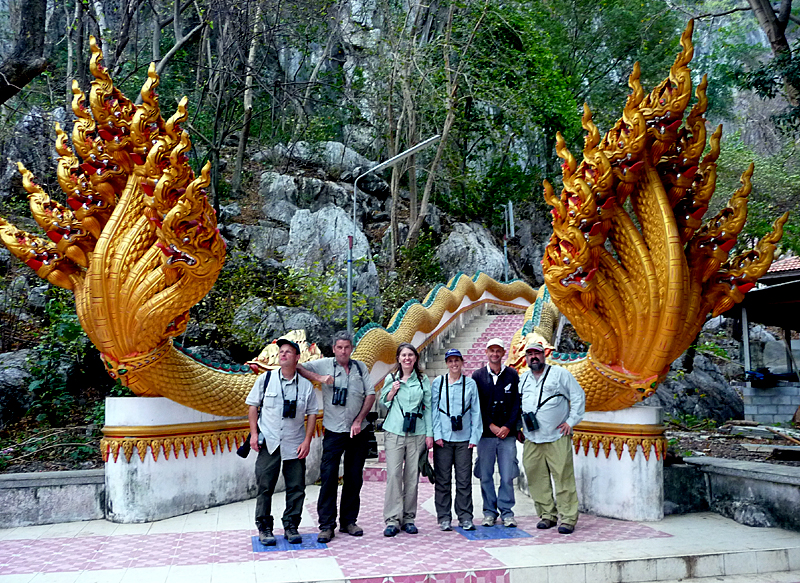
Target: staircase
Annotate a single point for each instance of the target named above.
(471, 341)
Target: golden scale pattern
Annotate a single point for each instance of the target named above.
(640, 306)
(138, 244)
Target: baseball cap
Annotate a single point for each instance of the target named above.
(453, 352)
(536, 341)
(281, 341)
(496, 342)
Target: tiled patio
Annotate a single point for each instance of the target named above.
(216, 545)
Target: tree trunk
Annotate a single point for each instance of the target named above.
(27, 58)
(774, 26)
(236, 182)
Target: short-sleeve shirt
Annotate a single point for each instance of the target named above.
(339, 418)
(288, 433)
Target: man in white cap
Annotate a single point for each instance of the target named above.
(552, 404)
(498, 388)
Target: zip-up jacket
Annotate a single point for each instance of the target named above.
(499, 402)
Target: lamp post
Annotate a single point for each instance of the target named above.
(390, 162)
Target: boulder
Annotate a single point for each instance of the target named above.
(333, 157)
(15, 399)
(533, 234)
(283, 195)
(470, 248)
(32, 142)
(256, 323)
(318, 242)
(703, 392)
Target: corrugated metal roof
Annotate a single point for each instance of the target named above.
(788, 264)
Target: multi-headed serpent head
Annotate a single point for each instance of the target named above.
(137, 240)
(630, 262)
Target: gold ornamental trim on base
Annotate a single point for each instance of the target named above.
(171, 440)
(597, 435)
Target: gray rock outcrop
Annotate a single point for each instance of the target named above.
(32, 143)
(256, 323)
(703, 392)
(15, 398)
(470, 248)
(318, 242)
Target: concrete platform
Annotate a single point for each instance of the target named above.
(215, 545)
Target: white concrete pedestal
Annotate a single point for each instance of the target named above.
(611, 483)
(200, 471)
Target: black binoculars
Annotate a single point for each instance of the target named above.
(457, 422)
(529, 418)
(410, 422)
(339, 396)
(289, 409)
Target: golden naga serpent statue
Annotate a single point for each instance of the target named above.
(640, 297)
(138, 244)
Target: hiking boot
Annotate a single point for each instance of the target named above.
(266, 538)
(488, 521)
(566, 529)
(290, 533)
(545, 523)
(410, 528)
(352, 529)
(444, 526)
(467, 525)
(325, 535)
(510, 522)
(391, 530)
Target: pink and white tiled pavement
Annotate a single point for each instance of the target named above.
(215, 545)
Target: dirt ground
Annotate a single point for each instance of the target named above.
(713, 443)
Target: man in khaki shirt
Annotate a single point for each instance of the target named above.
(347, 396)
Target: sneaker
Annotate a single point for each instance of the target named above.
(266, 538)
(325, 535)
(566, 529)
(290, 533)
(391, 530)
(352, 529)
(545, 523)
(467, 525)
(510, 522)
(488, 521)
(410, 528)
(444, 526)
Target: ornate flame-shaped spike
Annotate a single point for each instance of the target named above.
(637, 280)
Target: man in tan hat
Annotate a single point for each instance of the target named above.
(498, 389)
(552, 404)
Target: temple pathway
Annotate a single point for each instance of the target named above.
(216, 545)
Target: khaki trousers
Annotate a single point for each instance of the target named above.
(402, 477)
(543, 460)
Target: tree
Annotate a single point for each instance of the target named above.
(27, 58)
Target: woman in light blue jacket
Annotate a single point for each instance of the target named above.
(408, 435)
(457, 428)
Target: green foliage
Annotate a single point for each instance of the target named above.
(711, 348)
(63, 340)
(97, 414)
(776, 189)
(689, 421)
(320, 289)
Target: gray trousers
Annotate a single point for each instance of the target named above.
(453, 454)
(402, 477)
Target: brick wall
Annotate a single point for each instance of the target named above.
(773, 405)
